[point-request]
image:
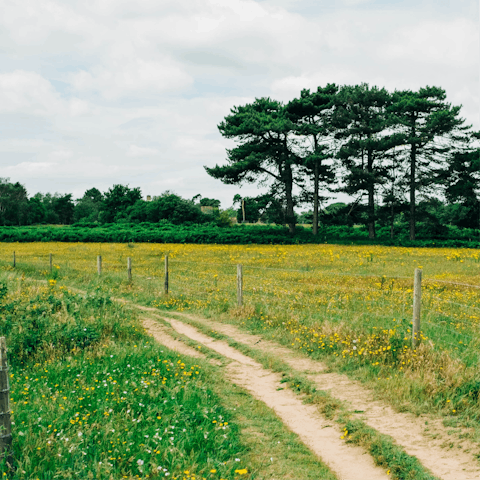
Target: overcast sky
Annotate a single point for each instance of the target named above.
(100, 92)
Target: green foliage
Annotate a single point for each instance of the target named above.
(365, 118)
(37, 213)
(13, 203)
(34, 330)
(48, 208)
(167, 207)
(3, 290)
(116, 200)
(429, 127)
(210, 202)
(93, 398)
(387, 454)
(461, 180)
(89, 206)
(264, 133)
(427, 235)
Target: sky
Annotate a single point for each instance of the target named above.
(101, 92)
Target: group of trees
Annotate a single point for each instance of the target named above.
(117, 205)
(388, 151)
(17, 209)
(402, 157)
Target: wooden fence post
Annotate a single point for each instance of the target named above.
(239, 285)
(166, 276)
(417, 306)
(5, 419)
(14, 260)
(129, 268)
(99, 265)
(51, 262)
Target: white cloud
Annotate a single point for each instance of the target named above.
(23, 91)
(61, 154)
(78, 107)
(289, 87)
(30, 168)
(85, 87)
(356, 2)
(135, 151)
(449, 42)
(138, 77)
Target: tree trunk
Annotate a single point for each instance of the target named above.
(288, 179)
(413, 164)
(478, 214)
(392, 219)
(371, 196)
(315, 200)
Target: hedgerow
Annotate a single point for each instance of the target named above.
(238, 234)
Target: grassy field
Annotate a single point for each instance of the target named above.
(350, 306)
(93, 397)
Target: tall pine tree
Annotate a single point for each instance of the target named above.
(312, 115)
(265, 150)
(429, 126)
(363, 112)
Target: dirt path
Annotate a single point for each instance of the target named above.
(349, 462)
(160, 334)
(406, 429)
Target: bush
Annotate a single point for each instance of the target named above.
(213, 233)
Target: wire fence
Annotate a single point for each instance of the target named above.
(375, 301)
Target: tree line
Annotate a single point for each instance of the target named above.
(119, 204)
(392, 152)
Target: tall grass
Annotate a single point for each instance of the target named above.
(92, 397)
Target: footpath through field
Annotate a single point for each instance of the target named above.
(348, 462)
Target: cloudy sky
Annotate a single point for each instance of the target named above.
(100, 92)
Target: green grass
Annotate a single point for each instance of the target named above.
(349, 299)
(93, 397)
(432, 380)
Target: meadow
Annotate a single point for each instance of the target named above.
(350, 306)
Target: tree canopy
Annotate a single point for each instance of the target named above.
(374, 145)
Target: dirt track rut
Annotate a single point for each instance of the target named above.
(349, 462)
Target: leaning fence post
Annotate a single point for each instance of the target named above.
(5, 419)
(51, 262)
(99, 265)
(129, 268)
(239, 286)
(14, 260)
(166, 276)
(417, 305)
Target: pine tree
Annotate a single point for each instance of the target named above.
(429, 126)
(363, 112)
(312, 115)
(265, 150)
(462, 179)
